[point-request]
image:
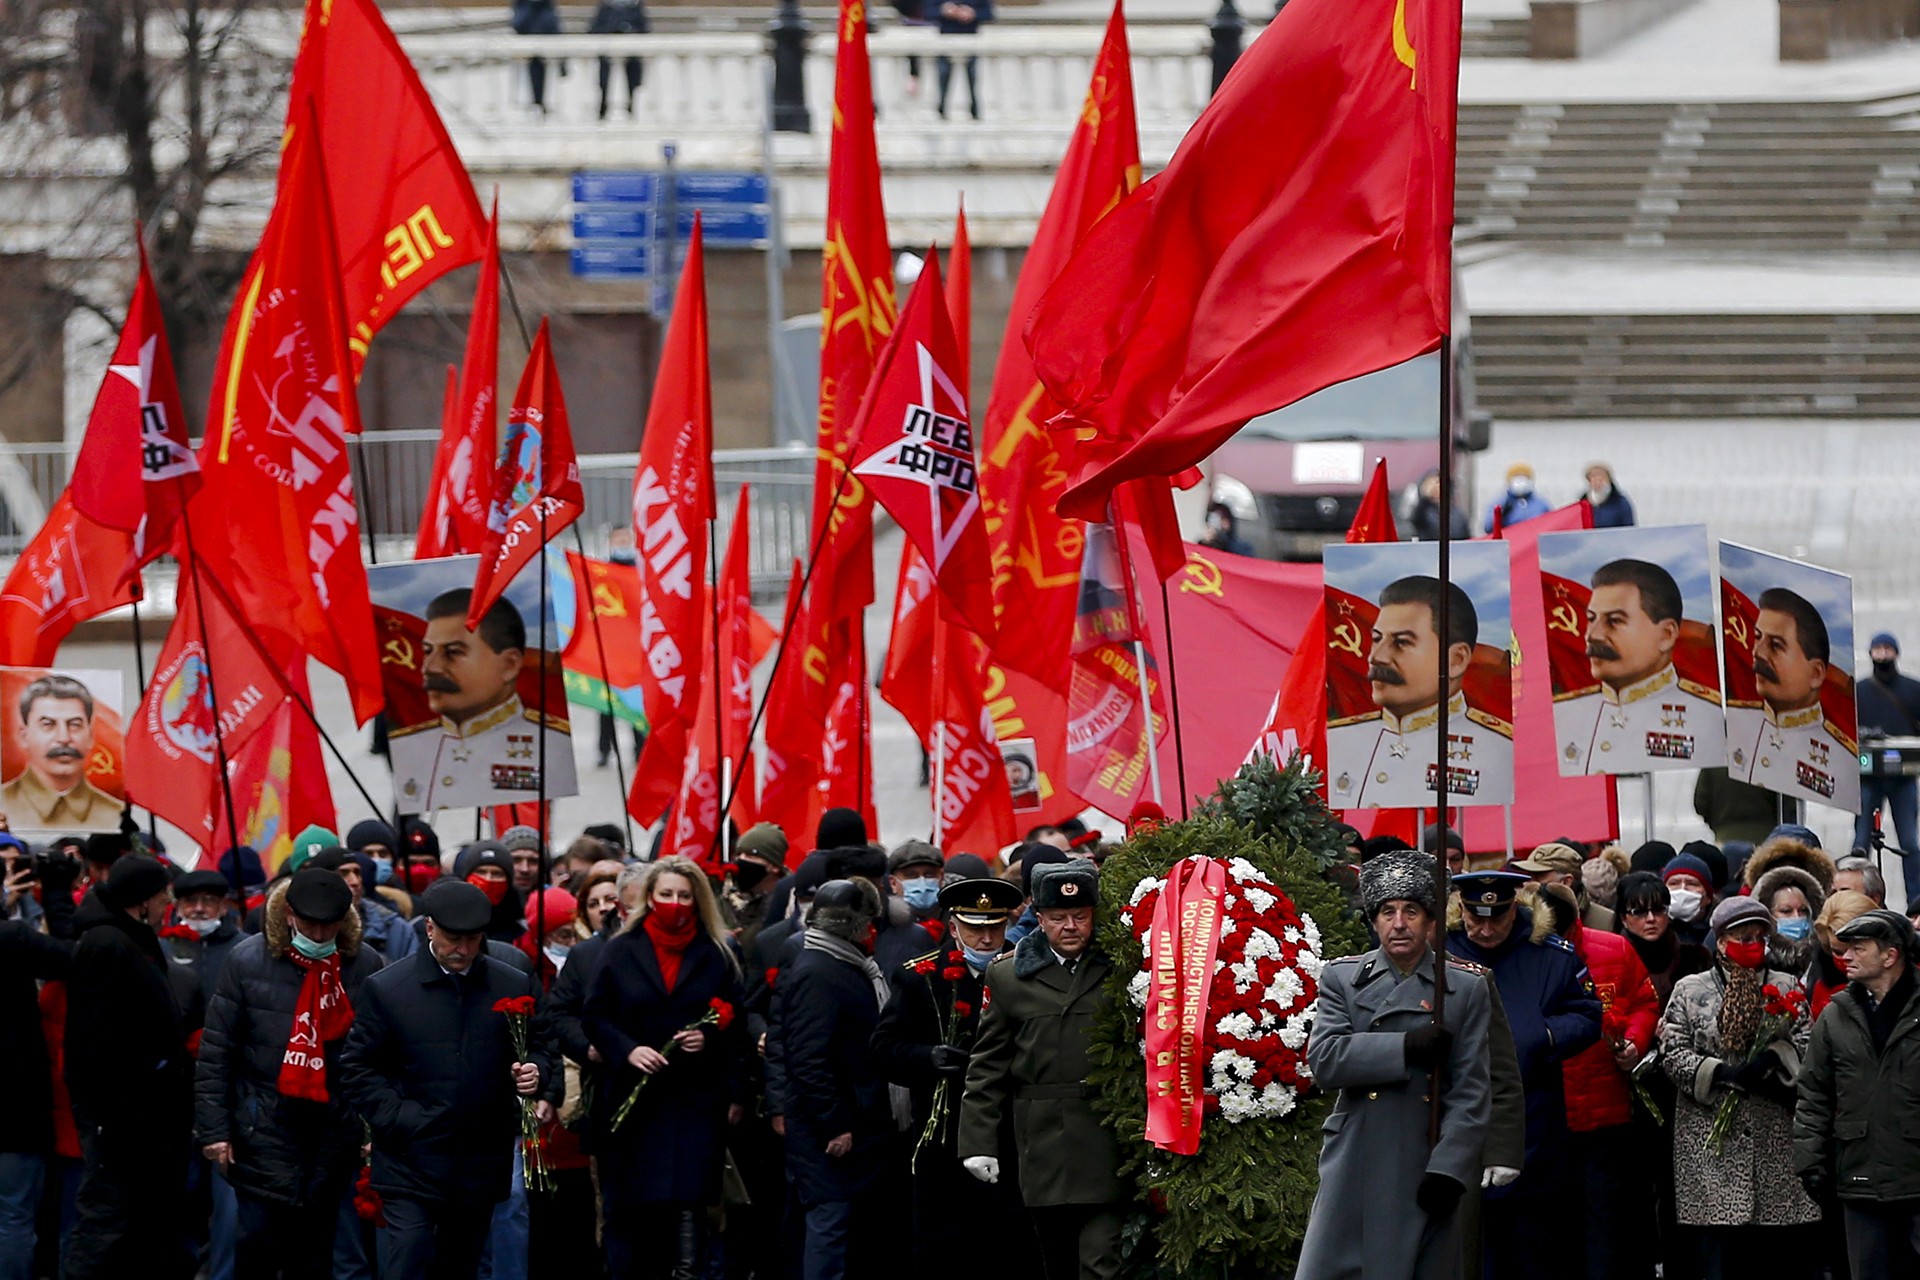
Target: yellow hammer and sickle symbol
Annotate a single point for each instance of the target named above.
(1402, 47)
(401, 652)
(607, 602)
(100, 762)
(1346, 638)
(1564, 619)
(1201, 576)
(1737, 628)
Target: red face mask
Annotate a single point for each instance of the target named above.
(673, 917)
(496, 890)
(420, 875)
(1747, 955)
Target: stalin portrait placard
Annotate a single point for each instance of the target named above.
(1630, 649)
(464, 708)
(1792, 725)
(1384, 690)
(63, 753)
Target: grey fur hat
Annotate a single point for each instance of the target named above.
(1403, 875)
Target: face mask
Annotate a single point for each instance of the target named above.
(382, 870)
(310, 949)
(558, 955)
(202, 927)
(674, 917)
(1520, 486)
(1794, 928)
(748, 874)
(922, 894)
(1747, 955)
(1884, 668)
(1685, 904)
(420, 875)
(979, 959)
(496, 890)
(1601, 492)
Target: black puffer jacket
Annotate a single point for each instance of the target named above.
(288, 1150)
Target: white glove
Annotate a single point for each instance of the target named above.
(1497, 1175)
(985, 1168)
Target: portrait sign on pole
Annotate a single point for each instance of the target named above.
(62, 755)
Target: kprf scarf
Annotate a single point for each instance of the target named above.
(321, 1017)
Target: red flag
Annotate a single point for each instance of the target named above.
(536, 490)
(67, 574)
(914, 450)
(856, 315)
(795, 722)
(1106, 718)
(611, 657)
(1300, 236)
(175, 738)
(279, 781)
(906, 677)
(673, 511)
(1297, 724)
(1023, 470)
(462, 485)
(846, 750)
(136, 470)
(399, 199)
(274, 522)
(960, 300)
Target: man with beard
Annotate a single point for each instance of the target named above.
(1385, 759)
(484, 748)
(1643, 715)
(1789, 745)
(52, 792)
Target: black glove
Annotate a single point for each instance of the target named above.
(1438, 1195)
(1817, 1181)
(950, 1060)
(1750, 1075)
(1428, 1045)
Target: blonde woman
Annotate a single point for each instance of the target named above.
(658, 978)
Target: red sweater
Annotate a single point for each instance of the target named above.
(1599, 1095)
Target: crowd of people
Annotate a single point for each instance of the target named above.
(390, 1059)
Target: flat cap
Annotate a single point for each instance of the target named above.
(1552, 856)
(1888, 928)
(915, 853)
(201, 882)
(1739, 910)
(456, 906)
(319, 895)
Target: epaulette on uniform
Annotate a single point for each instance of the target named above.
(931, 955)
(1555, 940)
(1465, 965)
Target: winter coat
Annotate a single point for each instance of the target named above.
(1750, 1182)
(429, 1065)
(672, 1148)
(205, 956)
(1615, 511)
(1374, 1149)
(1858, 1115)
(1513, 509)
(1031, 1058)
(1599, 1095)
(928, 1008)
(982, 12)
(288, 1150)
(1667, 965)
(386, 930)
(27, 958)
(897, 944)
(126, 1045)
(619, 17)
(825, 1011)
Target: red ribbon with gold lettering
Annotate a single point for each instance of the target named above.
(1185, 941)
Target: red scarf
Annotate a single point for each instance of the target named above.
(320, 1017)
(670, 942)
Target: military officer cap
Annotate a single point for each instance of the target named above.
(456, 906)
(1065, 885)
(201, 882)
(1487, 893)
(321, 896)
(1404, 875)
(982, 902)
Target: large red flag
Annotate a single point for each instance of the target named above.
(1297, 724)
(67, 574)
(400, 200)
(915, 451)
(856, 316)
(795, 720)
(1107, 738)
(455, 520)
(135, 470)
(673, 511)
(279, 781)
(1300, 236)
(1023, 468)
(536, 490)
(274, 522)
(608, 660)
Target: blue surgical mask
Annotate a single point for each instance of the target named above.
(1794, 928)
(382, 870)
(922, 894)
(310, 949)
(979, 959)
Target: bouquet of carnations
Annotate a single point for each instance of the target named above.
(1781, 1011)
(719, 1016)
(533, 1150)
(953, 968)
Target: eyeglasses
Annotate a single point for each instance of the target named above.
(1646, 911)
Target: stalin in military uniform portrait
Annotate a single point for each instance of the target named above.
(1788, 744)
(1386, 759)
(1644, 715)
(484, 748)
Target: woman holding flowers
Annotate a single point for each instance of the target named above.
(1731, 1041)
(660, 1011)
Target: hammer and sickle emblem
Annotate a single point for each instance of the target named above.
(1565, 619)
(100, 762)
(1402, 47)
(1737, 628)
(607, 602)
(1201, 576)
(399, 652)
(1346, 639)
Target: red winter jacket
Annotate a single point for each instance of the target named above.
(1598, 1093)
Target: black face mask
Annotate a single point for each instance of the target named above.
(1885, 670)
(748, 874)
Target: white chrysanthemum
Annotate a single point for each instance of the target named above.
(1313, 932)
(1277, 1099)
(1262, 901)
(1294, 1031)
(1290, 935)
(1237, 1025)
(1261, 945)
(1245, 872)
(1237, 1105)
(1310, 963)
(1144, 888)
(1285, 990)
(1137, 989)
(1245, 974)
(1228, 1066)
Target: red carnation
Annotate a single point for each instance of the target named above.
(934, 927)
(772, 975)
(514, 1006)
(179, 933)
(961, 1009)
(923, 966)
(953, 973)
(722, 1013)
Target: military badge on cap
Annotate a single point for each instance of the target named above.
(1487, 893)
(981, 901)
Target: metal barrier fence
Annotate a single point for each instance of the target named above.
(393, 468)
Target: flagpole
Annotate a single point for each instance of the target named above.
(720, 840)
(1118, 528)
(1442, 623)
(140, 678)
(213, 695)
(1173, 694)
(540, 814)
(939, 713)
(606, 685)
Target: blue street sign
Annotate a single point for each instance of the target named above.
(620, 186)
(725, 227)
(613, 259)
(710, 189)
(613, 222)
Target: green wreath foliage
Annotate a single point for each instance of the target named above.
(1238, 1207)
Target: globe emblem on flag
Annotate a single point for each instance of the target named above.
(186, 706)
(520, 459)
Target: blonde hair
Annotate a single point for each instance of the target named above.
(1841, 907)
(706, 905)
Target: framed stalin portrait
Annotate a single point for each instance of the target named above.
(1792, 725)
(63, 754)
(1385, 696)
(1631, 650)
(467, 710)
